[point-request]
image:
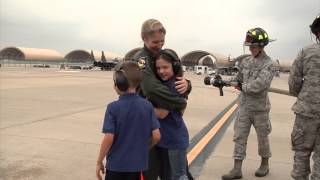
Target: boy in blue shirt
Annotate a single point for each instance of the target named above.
(174, 134)
(128, 126)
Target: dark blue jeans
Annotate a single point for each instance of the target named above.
(178, 163)
(172, 165)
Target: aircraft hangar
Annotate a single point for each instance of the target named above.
(192, 58)
(206, 58)
(82, 55)
(33, 54)
(49, 55)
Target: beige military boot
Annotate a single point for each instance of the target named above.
(263, 170)
(235, 173)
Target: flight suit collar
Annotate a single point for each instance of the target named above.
(149, 53)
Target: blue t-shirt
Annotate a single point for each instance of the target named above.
(131, 119)
(174, 133)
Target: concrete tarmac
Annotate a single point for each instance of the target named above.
(282, 119)
(51, 120)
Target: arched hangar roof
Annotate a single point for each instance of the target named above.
(22, 53)
(83, 55)
(200, 57)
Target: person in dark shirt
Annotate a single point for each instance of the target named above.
(174, 133)
(129, 124)
(153, 36)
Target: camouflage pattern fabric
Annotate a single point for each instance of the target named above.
(305, 139)
(304, 82)
(316, 160)
(256, 75)
(262, 125)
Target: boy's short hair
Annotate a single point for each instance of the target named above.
(131, 71)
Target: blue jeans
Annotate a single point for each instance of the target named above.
(178, 163)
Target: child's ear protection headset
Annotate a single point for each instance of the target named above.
(315, 26)
(120, 80)
(176, 63)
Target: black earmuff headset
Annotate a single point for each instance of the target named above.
(120, 80)
(315, 26)
(176, 63)
(177, 67)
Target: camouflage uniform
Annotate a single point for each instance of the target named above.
(316, 160)
(256, 75)
(304, 82)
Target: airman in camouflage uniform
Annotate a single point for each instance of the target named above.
(304, 82)
(254, 78)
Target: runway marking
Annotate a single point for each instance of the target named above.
(196, 150)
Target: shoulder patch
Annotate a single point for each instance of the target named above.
(142, 62)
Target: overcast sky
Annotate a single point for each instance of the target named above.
(114, 25)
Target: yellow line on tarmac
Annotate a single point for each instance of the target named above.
(195, 151)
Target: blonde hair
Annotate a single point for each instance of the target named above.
(151, 26)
